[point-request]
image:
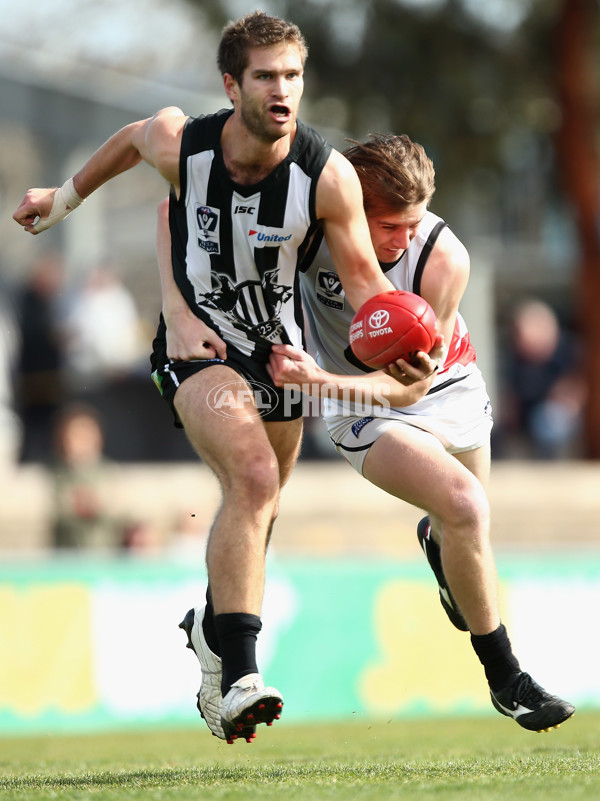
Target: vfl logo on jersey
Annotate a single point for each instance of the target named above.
(329, 290)
(268, 237)
(207, 219)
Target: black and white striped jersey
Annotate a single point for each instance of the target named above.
(236, 248)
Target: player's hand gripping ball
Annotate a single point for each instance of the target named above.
(390, 326)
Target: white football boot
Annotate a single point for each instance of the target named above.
(209, 695)
(248, 703)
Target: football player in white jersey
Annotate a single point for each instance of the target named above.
(231, 299)
(432, 450)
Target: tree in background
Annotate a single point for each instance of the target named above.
(576, 48)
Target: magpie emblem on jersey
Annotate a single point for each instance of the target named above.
(262, 299)
(329, 290)
(207, 218)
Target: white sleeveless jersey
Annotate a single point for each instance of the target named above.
(329, 313)
(235, 248)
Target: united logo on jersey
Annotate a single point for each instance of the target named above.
(268, 237)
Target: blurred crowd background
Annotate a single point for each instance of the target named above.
(502, 94)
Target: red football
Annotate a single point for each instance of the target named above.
(390, 326)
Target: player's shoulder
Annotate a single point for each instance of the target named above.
(449, 244)
(214, 118)
(449, 255)
(203, 132)
(340, 163)
(446, 241)
(338, 179)
(170, 117)
(309, 150)
(158, 140)
(305, 132)
(207, 123)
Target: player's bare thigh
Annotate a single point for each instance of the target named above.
(478, 462)
(285, 438)
(413, 465)
(410, 464)
(231, 438)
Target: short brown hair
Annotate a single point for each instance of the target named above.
(256, 29)
(394, 171)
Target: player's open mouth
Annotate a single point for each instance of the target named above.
(280, 112)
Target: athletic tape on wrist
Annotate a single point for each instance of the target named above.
(65, 200)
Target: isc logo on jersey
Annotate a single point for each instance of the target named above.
(268, 237)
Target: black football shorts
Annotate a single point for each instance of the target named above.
(272, 403)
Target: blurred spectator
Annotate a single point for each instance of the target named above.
(83, 516)
(188, 539)
(10, 424)
(39, 376)
(543, 388)
(141, 537)
(104, 330)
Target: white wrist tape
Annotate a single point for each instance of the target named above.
(65, 200)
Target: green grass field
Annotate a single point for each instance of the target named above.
(484, 758)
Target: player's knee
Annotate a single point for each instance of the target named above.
(469, 509)
(257, 483)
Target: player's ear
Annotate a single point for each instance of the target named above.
(232, 87)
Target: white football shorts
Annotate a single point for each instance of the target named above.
(458, 414)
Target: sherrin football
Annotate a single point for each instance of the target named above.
(390, 326)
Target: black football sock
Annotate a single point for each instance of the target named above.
(496, 656)
(237, 632)
(208, 625)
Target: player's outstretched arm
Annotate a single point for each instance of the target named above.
(293, 368)
(187, 336)
(340, 207)
(40, 209)
(155, 140)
